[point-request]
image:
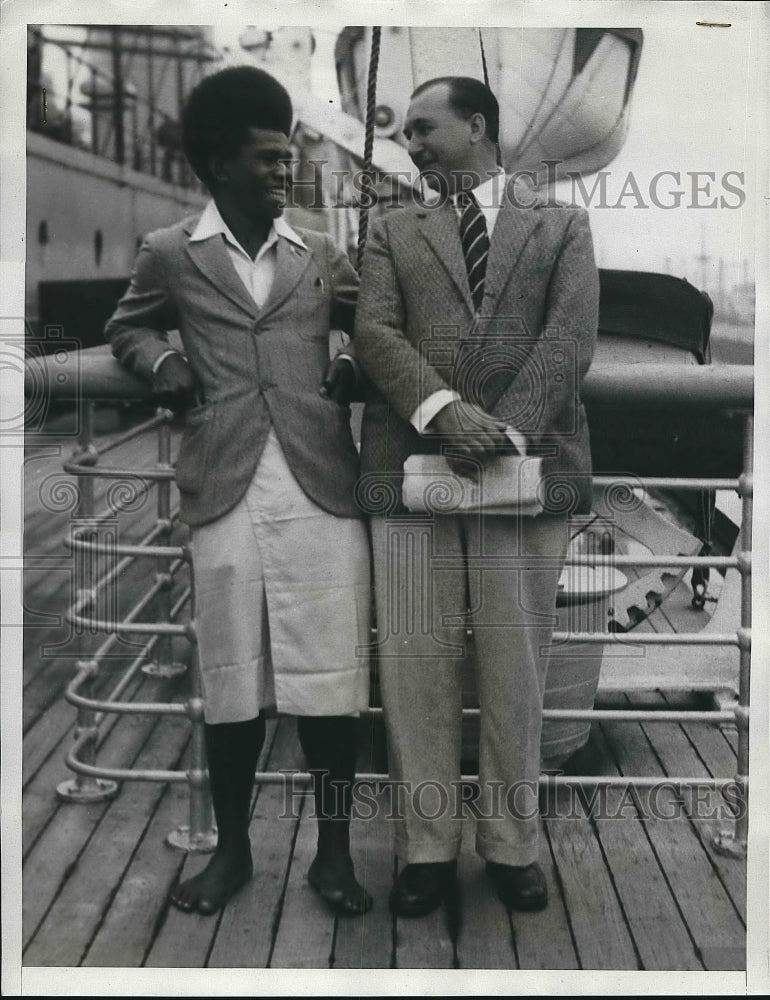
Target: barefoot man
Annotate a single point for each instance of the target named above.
(266, 471)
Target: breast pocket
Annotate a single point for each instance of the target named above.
(312, 308)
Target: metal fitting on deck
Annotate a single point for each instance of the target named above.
(744, 639)
(194, 709)
(86, 734)
(85, 598)
(85, 456)
(88, 667)
(197, 779)
(746, 484)
(741, 719)
(744, 563)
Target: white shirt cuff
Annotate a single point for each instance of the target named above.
(518, 439)
(161, 359)
(349, 357)
(429, 407)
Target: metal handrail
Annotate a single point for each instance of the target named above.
(93, 375)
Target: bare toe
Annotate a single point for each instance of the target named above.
(181, 898)
(336, 884)
(208, 891)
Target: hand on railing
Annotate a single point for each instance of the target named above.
(340, 380)
(174, 384)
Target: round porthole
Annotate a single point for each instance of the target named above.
(386, 122)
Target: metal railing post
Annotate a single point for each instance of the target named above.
(199, 836)
(735, 841)
(164, 665)
(85, 788)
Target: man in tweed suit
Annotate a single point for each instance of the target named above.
(266, 472)
(476, 322)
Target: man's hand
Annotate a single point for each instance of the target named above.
(174, 384)
(340, 380)
(474, 435)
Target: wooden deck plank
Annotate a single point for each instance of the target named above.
(368, 942)
(48, 734)
(64, 828)
(660, 935)
(602, 936)
(247, 929)
(129, 926)
(49, 565)
(132, 922)
(47, 592)
(305, 935)
(731, 736)
(427, 942)
(685, 668)
(78, 909)
(39, 799)
(705, 905)
(551, 925)
(58, 662)
(45, 737)
(39, 803)
(485, 938)
(530, 929)
(185, 940)
(52, 861)
(693, 750)
(678, 611)
(711, 917)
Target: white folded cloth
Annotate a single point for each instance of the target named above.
(508, 484)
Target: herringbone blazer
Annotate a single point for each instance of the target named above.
(255, 367)
(522, 358)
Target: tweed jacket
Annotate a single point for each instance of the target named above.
(255, 367)
(521, 358)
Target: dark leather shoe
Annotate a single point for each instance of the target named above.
(420, 888)
(519, 888)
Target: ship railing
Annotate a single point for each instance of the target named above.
(93, 376)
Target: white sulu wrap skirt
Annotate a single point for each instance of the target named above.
(282, 603)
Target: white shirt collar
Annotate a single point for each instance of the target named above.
(489, 194)
(211, 224)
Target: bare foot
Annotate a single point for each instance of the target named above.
(334, 880)
(208, 892)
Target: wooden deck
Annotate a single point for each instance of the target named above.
(634, 883)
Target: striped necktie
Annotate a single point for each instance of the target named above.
(475, 242)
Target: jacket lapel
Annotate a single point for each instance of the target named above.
(290, 264)
(440, 228)
(212, 260)
(513, 228)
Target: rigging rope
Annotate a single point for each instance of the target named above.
(366, 179)
(483, 60)
(498, 151)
